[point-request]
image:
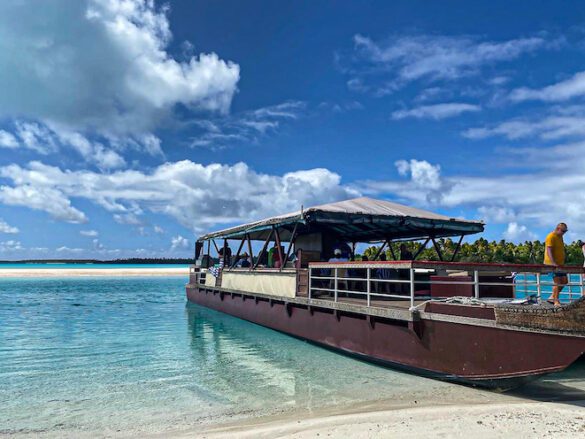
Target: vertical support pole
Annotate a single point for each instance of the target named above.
(310, 283)
(582, 284)
(278, 247)
(538, 287)
(476, 283)
(411, 288)
(368, 276)
(250, 250)
(335, 285)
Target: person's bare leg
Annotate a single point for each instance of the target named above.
(559, 282)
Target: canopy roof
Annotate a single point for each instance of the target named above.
(358, 220)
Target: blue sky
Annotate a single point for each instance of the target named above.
(129, 127)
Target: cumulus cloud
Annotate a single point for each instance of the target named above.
(158, 229)
(179, 243)
(542, 197)
(518, 233)
(102, 65)
(5, 228)
(195, 195)
(402, 59)
(44, 198)
(561, 91)
(89, 233)
(95, 76)
(436, 112)
(497, 214)
(8, 140)
(10, 246)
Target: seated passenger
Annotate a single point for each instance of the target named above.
(337, 256)
(244, 261)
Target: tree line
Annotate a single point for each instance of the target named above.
(484, 251)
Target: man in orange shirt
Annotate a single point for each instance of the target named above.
(554, 254)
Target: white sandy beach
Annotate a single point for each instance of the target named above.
(523, 420)
(83, 272)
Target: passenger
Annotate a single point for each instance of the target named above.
(228, 255)
(554, 255)
(338, 257)
(405, 254)
(244, 261)
(383, 274)
(582, 245)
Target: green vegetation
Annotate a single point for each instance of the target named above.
(482, 250)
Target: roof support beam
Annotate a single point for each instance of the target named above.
(277, 240)
(437, 249)
(293, 238)
(261, 254)
(457, 248)
(392, 250)
(420, 249)
(235, 261)
(379, 252)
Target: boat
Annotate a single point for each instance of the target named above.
(478, 324)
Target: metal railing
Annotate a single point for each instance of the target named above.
(414, 280)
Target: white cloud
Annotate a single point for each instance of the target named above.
(42, 197)
(179, 243)
(402, 59)
(195, 195)
(561, 91)
(246, 127)
(95, 76)
(8, 140)
(559, 123)
(128, 218)
(158, 229)
(436, 112)
(89, 233)
(535, 197)
(10, 246)
(102, 65)
(497, 214)
(518, 233)
(422, 173)
(5, 228)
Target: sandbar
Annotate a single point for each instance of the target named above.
(90, 272)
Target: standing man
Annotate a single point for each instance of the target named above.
(554, 254)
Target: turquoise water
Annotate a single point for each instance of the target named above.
(85, 266)
(96, 357)
(526, 286)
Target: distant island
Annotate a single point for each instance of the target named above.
(95, 261)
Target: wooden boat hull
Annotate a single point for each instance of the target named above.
(492, 357)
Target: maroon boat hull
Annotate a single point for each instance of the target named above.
(484, 356)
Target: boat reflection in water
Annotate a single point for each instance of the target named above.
(240, 364)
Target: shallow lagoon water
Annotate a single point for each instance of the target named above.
(97, 356)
